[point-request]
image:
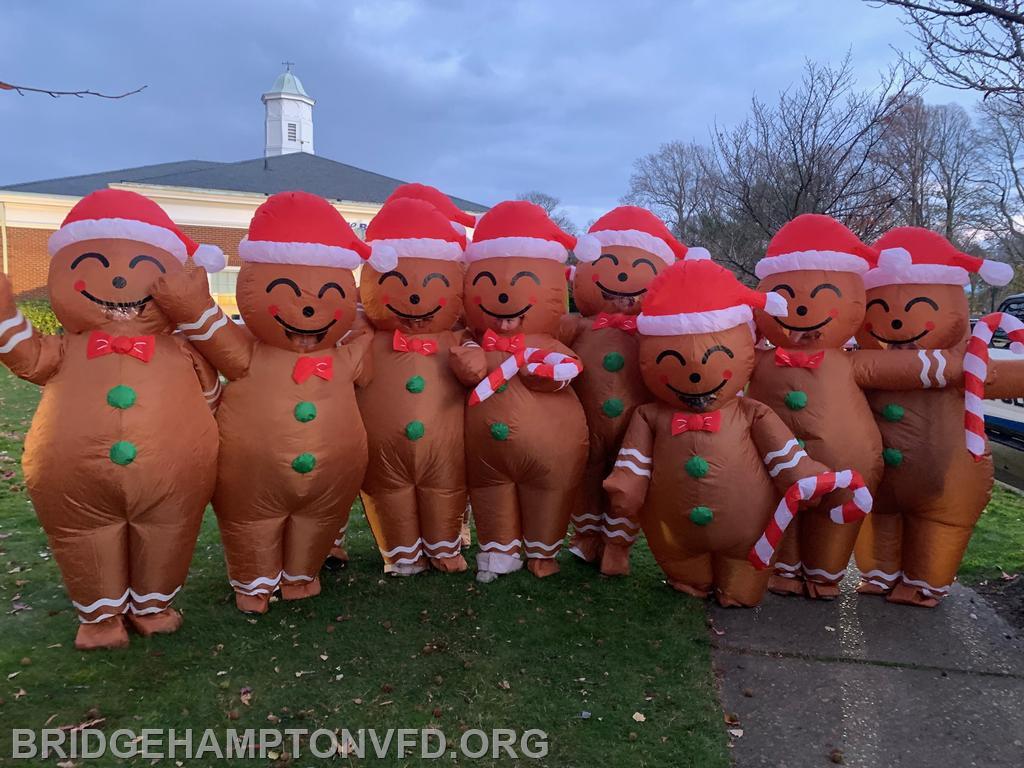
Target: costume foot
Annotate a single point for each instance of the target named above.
(680, 586)
(615, 560)
(456, 564)
(337, 559)
(252, 603)
(817, 591)
(868, 588)
(728, 601)
(163, 623)
(905, 594)
(542, 567)
(486, 577)
(301, 590)
(586, 547)
(109, 633)
(785, 585)
(407, 569)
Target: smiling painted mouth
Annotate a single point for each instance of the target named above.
(698, 401)
(302, 336)
(510, 322)
(608, 292)
(118, 306)
(899, 342)
(804, 329)
(407, 316)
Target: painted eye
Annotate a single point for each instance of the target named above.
(669, 353)
(648, 262)
(826, 287)
(717, 348)
(878, 303)
(921, 300)
(91, 255)
(436, 276)
(395, 274)
(328, 286)
(485, 274)
(284, 281)
(784, 288)
(143, 257)
(524, 273)
(610, 256)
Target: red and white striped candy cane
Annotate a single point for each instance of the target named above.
(809, 489)
(539, 362)
(976, 371)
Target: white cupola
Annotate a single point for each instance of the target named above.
(289, 117)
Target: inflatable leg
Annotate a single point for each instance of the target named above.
(879, 548)
(545, 522)
(932, 551)
(253, 552)
(618, 535)
(589, 510)
(825, 549)
(160, 544)
(787, 577)
(94, 565)
(498, 530)
(737, 582)
(441, 513)
(692, 574)
(339, 552)
(308, 536)
(396, 528)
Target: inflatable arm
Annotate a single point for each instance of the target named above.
(569, 328)
(29, 354)
(185, 299)
(1005, 379)
(903, 369)
(627, 485)
(784, 458)
(539, 378)
(469, 363)
(209, 380)
(360, 358)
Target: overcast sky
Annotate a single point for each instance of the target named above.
(482, 98)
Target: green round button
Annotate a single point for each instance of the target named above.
(696, 466)
(701, 515)
(305, 411)
(612, 407)
(796, 400)
(415, 384)
(502, 388)
(893, 412)
(499, 430)
(414, 430)
(304, 463)
(122, 452)
(892, 457)
(121, 396)
(613, 362)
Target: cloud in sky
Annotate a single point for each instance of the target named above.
(484, 99)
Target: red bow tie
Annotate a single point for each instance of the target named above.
(696, 422)
(313, 366)
(403, 343)
(513, 344)
(798, 359)
(625, 323)
(102, 343)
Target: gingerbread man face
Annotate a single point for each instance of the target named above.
(915, 316)
(95, 282)
(417, 296)
(826, 308)
(615, 281)
(700, 371)
(515, 295)
(296, 307)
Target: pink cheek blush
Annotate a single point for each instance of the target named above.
(929, 326)
(727, 374)
(833, 312)
(594, 278)
(79, 285)
(337, 314)
(385, 298)
(478, 299)
(868, 326)
(532, 300)
(442, 302)
(272, 309)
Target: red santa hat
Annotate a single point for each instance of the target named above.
(302, 228)
(517, 228)
(438, 199)
(123, 215)
(695, 295)
(415, 229)
(813, 241)
(917, 255)
(630, 226)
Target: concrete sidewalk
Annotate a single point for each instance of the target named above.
(867, 684)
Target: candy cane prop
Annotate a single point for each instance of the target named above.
(539, 362)
(810, 489)
(976, 371)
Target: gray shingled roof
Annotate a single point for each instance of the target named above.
(312, 173)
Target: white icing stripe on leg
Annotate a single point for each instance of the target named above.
(103, 602)
(201, 321)
(137, 598)
(213, 329)
(145, 611)
(626, 464)
(596, 518)
(457, 542)
(619, 534)
(493, 546)
(300, 577)
(826, 574)
(102, 617)
(269, 581)
(542, 546)
(926, 586)
(783, 451)
(631, 524)
(403, 550)
(17, 338)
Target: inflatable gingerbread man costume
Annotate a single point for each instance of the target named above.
(934, 487)
(292, 443)
(703, 481)
(816, 387)
(121, 455)
(619, 257)
(415, 488)
(526, 435)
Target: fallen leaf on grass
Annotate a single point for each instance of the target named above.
(357, 701)
(20, 693)
(731, 718)
(737, 732)
(505, 685)
(639, 717)
(245, 696)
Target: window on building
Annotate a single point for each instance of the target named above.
(222, 288)
(293, 132)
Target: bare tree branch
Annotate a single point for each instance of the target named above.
(21, 90)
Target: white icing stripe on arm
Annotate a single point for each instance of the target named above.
(201, 321)
(926, 364)
(783, 451)
(787, 464)
(940, 361)
(17, 338)
(627, 464)
(213, 329)
(12, 322)
(635, 454)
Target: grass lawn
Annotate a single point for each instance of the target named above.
(574, 655)
(997, 545)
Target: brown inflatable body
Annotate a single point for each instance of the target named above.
(415, 488)
(610, 388)
(703, 468)
(293, 448)
(525, 445)
(122, 451)
(933, 490)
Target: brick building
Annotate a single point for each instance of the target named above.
(212, 201)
